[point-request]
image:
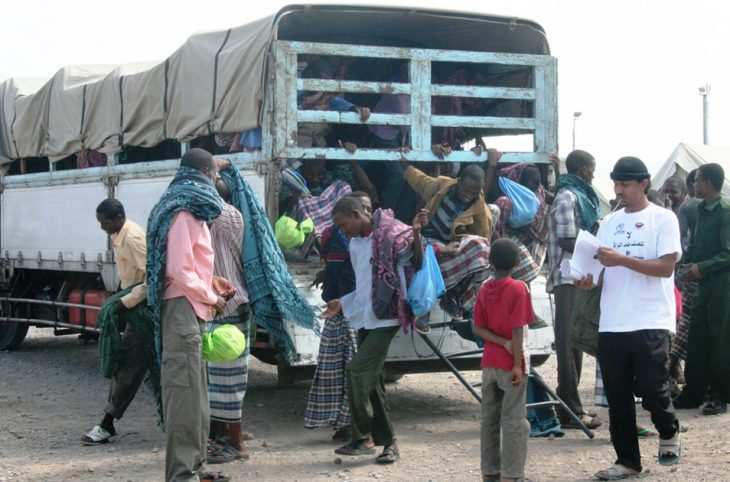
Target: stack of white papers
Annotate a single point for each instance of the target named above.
(584, 261)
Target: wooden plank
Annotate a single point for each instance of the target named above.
(549, 115)
(335, 117)
(483, 92)
(412, 156)
(434, 55)
(483, 122)
(277, 129)
(546, 107)
(420, 75)
(291, 99)
(325, 85)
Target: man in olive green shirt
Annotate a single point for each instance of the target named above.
(707, 368)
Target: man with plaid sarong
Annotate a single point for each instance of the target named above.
(319, 208)
(328, 404)
(465, 270)
(532, 239)
(459, 228)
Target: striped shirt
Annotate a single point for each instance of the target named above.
(440, 226)
(227, 236)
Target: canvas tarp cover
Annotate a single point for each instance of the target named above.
(687, 157)
(103, 123)
(10, 91)
(48, 122)
(216, 81)
(213, 83)
(66, 103)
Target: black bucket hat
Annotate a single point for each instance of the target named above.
(630, 169)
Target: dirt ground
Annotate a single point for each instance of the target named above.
(51, 393)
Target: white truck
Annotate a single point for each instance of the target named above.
(144, 116)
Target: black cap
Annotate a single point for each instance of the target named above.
(630, 169)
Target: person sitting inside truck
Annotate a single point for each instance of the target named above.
(314, 134)
(128, 241)
(531, 239)
(459, 227)
(90, 158)
(311, 191)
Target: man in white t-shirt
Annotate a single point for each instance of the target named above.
(637, 316)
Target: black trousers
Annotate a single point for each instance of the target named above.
(636, 363)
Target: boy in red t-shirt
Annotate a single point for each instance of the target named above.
(503, 309)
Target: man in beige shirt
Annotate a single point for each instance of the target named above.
(130, 252)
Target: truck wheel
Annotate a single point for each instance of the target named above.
(392, 376)
(537, 360)
(12, 334)
(284, 372)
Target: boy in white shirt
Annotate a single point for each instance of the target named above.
(637, 317)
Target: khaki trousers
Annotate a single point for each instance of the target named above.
(503, 411)
(184, 392)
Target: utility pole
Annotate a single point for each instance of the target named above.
(704, 92)
(575, 118)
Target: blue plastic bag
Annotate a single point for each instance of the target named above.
(427, 285)
(524, 202)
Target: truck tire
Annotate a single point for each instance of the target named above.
(284, 372)
(12, 334)
(537, 360)
(392, 376)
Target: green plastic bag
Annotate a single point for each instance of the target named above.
(290, 234)
(223, 344)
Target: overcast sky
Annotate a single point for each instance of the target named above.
(632, 68)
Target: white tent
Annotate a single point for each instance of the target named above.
(687, 157)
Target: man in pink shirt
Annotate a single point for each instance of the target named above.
(191, 296)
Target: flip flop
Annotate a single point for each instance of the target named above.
(615, 472)
(642, 432)
(670, 451)
(421, 326)
(210, 476)
(97, 436)
(389, 455)
(355, 448)
(225, 455)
